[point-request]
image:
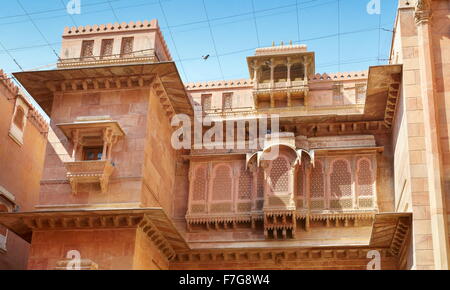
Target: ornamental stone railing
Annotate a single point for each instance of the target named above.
(89, 172)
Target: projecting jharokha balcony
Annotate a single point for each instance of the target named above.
(92, 139)
(97, 171)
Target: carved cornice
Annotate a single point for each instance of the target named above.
(242, 83)
(74, 63)
(274, 255)
(34, 116)
(100, 83)
(148, 228)
(155, 219)
(422, 11)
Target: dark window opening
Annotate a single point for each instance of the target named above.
(92, 153)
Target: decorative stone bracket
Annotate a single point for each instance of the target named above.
(89, 172)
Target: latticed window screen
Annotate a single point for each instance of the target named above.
(317, 180)
(87, 48)
(107, 47)
(245, 184)
(127, 46)
(279, 175)
(338, 94)
(301, 181)
(360, 93)
(260, 184)
(340, 179)
(365, 179)
(227, 102)
(199, 184)
(222, 183)
(206, 102)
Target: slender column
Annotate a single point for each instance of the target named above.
(272, 70)
(75, 144)
(305, 62)
(432, 149)
(288, 65)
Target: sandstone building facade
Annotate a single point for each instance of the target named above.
(362, 171)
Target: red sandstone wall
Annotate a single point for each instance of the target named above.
(441, 50)
(20, 173)
(109, 249)
(160, 159)
(129, 108)
(146, 256)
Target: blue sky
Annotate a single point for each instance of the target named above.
(233, 27)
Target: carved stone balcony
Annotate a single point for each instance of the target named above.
(144, 56)
(97, 171)
(291, 86)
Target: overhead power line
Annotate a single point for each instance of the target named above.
(113, 11)
(70, 15)
(56, 10)
(298, 20)
(213, 41)
(11, 56)
(37, 28)
(339, 33)
(256, 25)
(173, 40)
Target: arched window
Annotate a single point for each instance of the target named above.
(222, 183)
(341, 193)
(279, 175)
(317, 180)
(301, 180)
(19, 118)
(297, 72)
(317, 186)
(264, 74)
(280, 73)
(222, 189)
(199, 190)
(260, 184)
(340, 179)
(300, 193)
(199, 184)
(365, 177)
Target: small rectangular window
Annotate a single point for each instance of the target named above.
(87, 49)
(127, 46)
(19, 120)
(92, 153)
(227, 101)
(107, 47)
(206, 102)
(338, 94)
(360, 92)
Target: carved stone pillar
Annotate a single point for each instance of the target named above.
(272, 73)
(306, 64)
(76, 140)
(439, 227)
(288, 65)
